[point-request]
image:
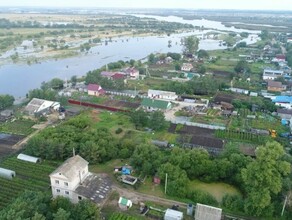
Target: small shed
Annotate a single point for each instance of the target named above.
(124, 203)
(28, 158)
(171, 214)
(156, 180)
(126, 171)
(7, 174)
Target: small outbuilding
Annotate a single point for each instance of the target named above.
(7, 174)
(28, 158)
(171, 214)
(124, 203)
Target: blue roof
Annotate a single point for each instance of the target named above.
(126, 171)
(284, 99)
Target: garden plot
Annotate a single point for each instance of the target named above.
(29, 176)
(6, 143)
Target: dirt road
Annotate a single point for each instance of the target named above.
(137, 197)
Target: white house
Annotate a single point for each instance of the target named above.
(158, 94)
(40, 106)
(95, 90)
(272, 74)
(187, 67)
(283, 101)
(72, 180)
(132, 72)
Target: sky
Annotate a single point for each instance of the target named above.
(188, 4)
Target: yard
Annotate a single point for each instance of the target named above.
(29, 176)
(19, 126)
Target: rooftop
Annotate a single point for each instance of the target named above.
(283, 99)
(94, 87)
(275, 84)
(154, 103)
(95, 187)
(70, 167)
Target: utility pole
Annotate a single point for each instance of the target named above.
(284, 205)
(165, 183)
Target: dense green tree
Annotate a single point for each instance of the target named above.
(56, 83)
(241, 67)
(263, 177)
(175, 56)
(177, 180)
(157, 120)
(191, 45)
(151, 58)
(62, 214)
(146, 159)
(74, 80)
(203, 54)
(42, 94)
(139, 118)
(6, 101)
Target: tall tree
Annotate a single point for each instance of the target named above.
(263, 178)
(191, 45)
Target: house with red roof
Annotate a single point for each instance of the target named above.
(95, 90)
(113, 75)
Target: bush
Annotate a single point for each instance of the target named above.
(198, 196)
(119, 130)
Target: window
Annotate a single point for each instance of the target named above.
(67, 192)
(57, 181)
(58, 191)
(79, 198)
(65, 183)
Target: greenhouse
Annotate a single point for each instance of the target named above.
(7, 174)
(28, 158)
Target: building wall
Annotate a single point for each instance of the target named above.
(94, 93)
(285, 105)
(61, 186)
(268, 77)
(275, 89)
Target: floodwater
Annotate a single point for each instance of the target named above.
(18, 79)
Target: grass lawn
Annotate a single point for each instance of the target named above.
(20, 127)
(218, 190)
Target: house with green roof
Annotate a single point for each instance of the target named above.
(124, 203)
(155, 104)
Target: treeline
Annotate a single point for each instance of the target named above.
(206, 85)
(6, 101)
(95, 145)
(34, 205)
(5, 23)
(261, 180)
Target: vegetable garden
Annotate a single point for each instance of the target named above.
(29, 176)
(121, 216)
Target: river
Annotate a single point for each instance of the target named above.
(18, 79)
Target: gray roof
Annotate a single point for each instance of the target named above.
(34, 105)
(70, 167)
(95, 187)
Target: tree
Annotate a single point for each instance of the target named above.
(177, 181)
(191, 44)
(151, 58)
(56, 83)
(139, 118)
(241, 67)
(203, 54)
(263, 177)
(146, 159)
(265, 35)
(61, 215)
(6, 101)
(74, 80)
(157, 120)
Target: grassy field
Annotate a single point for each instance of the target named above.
(20, 126)
(218, 190)
(29, 176)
